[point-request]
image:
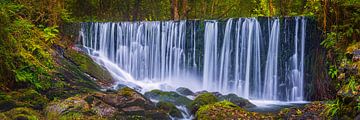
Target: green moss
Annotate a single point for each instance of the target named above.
(87, 65)
(202, 99)
(126, 91)
(171, 97)
(23, 113)
(30, 98)
(169, 108)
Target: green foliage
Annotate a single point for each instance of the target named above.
(25, 50)
(50, 33)
(332, 108)
(333, 71)
(330, 40)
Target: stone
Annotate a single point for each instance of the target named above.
(170, 109)
(241, 102)
(201, 100)
(184, 91)
(171, 97)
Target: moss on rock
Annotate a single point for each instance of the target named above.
(86, 64)
(169, 108)
(21, 113)
(202, 99)
(171, 97)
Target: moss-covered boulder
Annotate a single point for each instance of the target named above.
(79, 107)
(171, 97)
(241, 102)
(227, 110)
(30, 98)
(21, 113)
(169, 108)
(202, 99)
(87, 65)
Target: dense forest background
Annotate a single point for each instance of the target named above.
(30, 33)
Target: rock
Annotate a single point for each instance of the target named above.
(356, 52)
(124, 98)
(57, 108)
(312, 111)
(87, 65)
(6, 105)
(35, 99)
(241, 102)
(171, 97)
(227, 110)
(202, 99)
(184, 91)
(21, 113)
(200, 92)
(170, 109)
(100, 108)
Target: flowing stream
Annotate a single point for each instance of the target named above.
(255, 59)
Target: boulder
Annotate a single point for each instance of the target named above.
(202, 99)
(171, 97)
(21, 113)
(125, 98)
(170, 109)
(184, 91)
(241, 102)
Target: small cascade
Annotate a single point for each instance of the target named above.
(271, 69)
(247, 56)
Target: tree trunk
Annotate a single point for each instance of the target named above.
(324, 15)
(271, 8)
(185, 9)
(174, 10)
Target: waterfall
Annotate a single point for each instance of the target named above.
(271, 75)
(246, 56)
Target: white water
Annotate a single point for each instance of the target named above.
(236, 58)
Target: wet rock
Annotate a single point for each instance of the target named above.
(170, 109)
(171, 97)
(87, 65)
(184, 91)
(200, 92)
(201, 100)
(241, 102)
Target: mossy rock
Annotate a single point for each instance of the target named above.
(169, 108)
(57, 108)
(21, 113)
(202, 99)
(241, 102)
(227, 110)
(171, 97)
(86, 64)
(74, 115)
(29, 98)
(6, 105)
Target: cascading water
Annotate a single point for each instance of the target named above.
(229, 57)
